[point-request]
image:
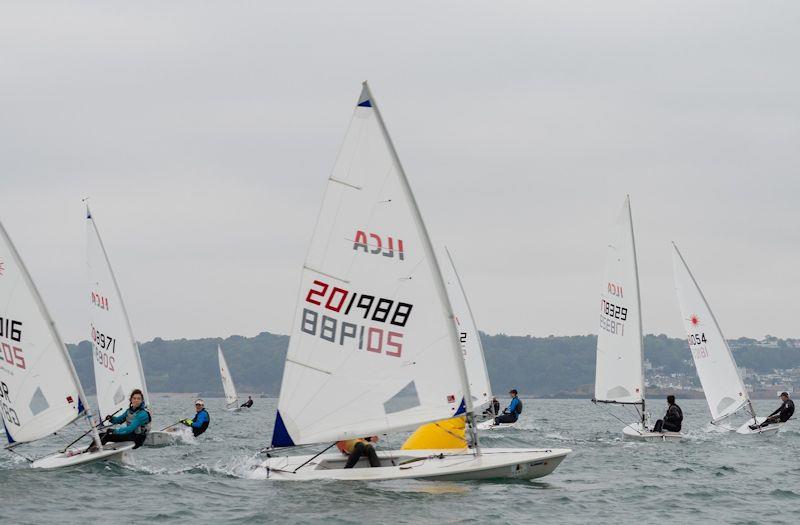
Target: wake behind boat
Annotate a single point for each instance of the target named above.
(375, 345)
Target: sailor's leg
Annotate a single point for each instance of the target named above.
(372, 455)
(355, 455)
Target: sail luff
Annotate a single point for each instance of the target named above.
(138, 358)
(423, 232)
(231, 396)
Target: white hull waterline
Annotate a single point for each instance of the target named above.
(438, 465)
(771, 429)
(162, 438)
(75, 457)
(637, 432)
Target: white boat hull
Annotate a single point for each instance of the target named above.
(771, 429)
(162, 438)
(75, 457)
(440, 465)
(637, 432)
(489, 424)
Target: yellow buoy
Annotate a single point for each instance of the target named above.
(447, 433)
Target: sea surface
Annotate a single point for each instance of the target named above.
(710, 477)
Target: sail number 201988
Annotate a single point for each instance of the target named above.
(333, 301)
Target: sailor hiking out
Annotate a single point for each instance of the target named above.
(136, 419)
(201, 420)
(781, 415)
(512, 412)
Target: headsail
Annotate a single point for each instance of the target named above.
(722, 384)
(469, 337)
(373, 346)
(231, 399)
(39, 390)
(618, 376)
(117, 364)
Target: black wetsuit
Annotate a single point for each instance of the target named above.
(672, 421)
(782, 414)
(247, 404)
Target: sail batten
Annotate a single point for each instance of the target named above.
(722, 384)
(371, 350)
(619, 376)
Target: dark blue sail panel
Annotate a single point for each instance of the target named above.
(280, 436)
(462, 408)
(8, 435)
(365, 104)
(81, 408)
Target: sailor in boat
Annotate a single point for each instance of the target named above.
(201, 420)
(512, 411)
(355, 448)
(137, 419)
(672, 420)
(494, 408)
(781, 414)
(248, 403)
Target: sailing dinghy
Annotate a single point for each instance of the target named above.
(619, 373)
(470, 340)
(40, 392)
(722, 384)
(231, 399)
(117, 362)
(374, 348)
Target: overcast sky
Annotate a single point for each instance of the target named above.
(204, 133)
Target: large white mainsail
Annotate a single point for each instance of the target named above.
(373, 346)
(722, 384)
(619, 377)
(39, 389)
(117, 364)
(231, 399)
(469, 337)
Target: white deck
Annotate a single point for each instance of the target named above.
(637, 432)
(445, 465)
(75, 457)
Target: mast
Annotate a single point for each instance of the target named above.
(54, 332)
(639, 304)
(121, 303)
(438, 279)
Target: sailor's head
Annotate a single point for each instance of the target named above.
(249, 397)
(137, 398)
(513, 392)
(199, 405)
(784, 396)
(670, 399)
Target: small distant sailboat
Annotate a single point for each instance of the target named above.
(117, 362)
(41, 393)
(619, 374)
(722, 384)
(231, 398)
(374, 348)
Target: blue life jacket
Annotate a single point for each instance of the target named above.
(200, 422)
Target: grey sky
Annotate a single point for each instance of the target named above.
(204, 132)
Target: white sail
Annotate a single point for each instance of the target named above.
(39, 390)
(722, 384)
(470, 339)
(117, 364)
(231, 399)
(618, 376)
(373, 346)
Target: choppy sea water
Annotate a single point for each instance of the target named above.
(707, 478)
